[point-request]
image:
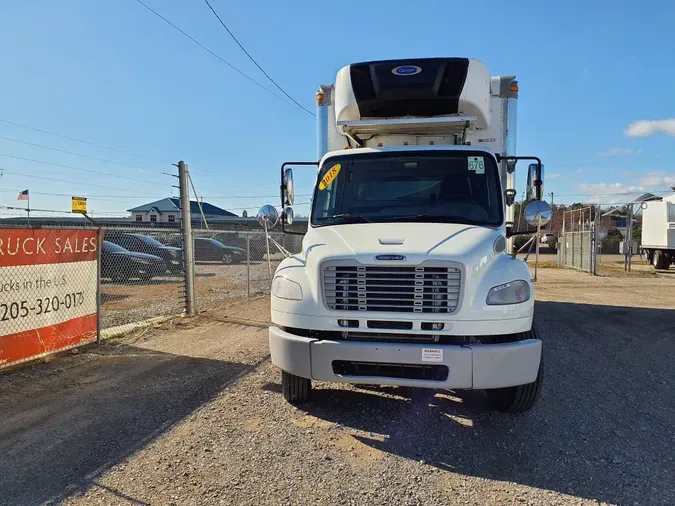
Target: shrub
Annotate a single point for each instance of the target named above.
(552, 242)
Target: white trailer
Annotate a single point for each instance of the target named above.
(658, 231)
(404, 276)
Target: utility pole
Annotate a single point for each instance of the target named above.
(550, 227)
(186, 226)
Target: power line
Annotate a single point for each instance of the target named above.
(255, 62)
(74, 182)
(212, 53)
(162, 162)
(78, 169)
(83, 141)
(79, 154)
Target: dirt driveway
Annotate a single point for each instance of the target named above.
(192, 414)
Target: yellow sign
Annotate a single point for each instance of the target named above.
(330, 175)
(79, 205)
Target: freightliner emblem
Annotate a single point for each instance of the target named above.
(390, 257)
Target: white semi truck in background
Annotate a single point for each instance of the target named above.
(404, 276)
(658, 231)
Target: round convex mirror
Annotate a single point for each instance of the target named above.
(538, 212)
(268, 216)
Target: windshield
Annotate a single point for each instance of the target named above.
(438, 187)
(110, 247)
(150, 241)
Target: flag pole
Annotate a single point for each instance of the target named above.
(28, 208)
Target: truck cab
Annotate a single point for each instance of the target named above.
(404, 277)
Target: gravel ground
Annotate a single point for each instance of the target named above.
(192, 414)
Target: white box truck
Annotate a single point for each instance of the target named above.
(658, 231)
(404, 277)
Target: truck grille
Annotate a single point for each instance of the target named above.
(392, 289)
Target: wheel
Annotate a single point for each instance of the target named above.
(227, 259)
(658, 259)
(295, 388)
(519, 398)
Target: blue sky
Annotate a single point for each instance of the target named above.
(596, 81)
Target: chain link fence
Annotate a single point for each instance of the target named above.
(236, 264)
(142, 275)
(578, 242)
(136, 270)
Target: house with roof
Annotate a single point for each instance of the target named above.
(168, 211)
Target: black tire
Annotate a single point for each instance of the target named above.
(519, 398)
(228, 259)
(658, 259)
(295, 388)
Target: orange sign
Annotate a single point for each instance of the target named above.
(48, 299)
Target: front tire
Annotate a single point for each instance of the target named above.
(295, 388)
(519, 398)
(228, 259)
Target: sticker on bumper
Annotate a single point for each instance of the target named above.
(432, 355)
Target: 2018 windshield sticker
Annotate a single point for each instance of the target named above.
(477, 164)
(330, 175)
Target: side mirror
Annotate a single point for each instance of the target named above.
(268, 216)
(535, 181)
(510, 197)
(289, 216)
(287, 184)
(538, 212)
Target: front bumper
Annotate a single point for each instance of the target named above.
(479, 366)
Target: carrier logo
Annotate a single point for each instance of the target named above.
(390, 257)
(406, 70)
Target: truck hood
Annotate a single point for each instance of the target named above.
(416, 241)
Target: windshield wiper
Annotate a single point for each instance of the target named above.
(345, 217)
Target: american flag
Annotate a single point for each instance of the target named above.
(23, 195)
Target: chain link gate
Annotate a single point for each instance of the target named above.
(578, 242)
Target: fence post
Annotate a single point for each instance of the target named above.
(99, 247)
(186, 226)
(248, 263)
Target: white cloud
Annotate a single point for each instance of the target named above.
(610, 193)
(645, 128)
(616, 152)
(617, 188)
(658, 179)
(553, 176)
(578, 171)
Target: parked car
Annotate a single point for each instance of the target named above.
(120, 264)
(145, 244)
(211, 249)
(257, 244)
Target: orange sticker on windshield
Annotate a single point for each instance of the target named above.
(330, 175)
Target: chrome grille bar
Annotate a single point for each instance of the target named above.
(392, 289)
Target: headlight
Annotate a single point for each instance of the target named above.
(514, 292)
(286, 289)
(141, 261)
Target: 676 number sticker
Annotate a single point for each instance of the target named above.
(477, 164)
